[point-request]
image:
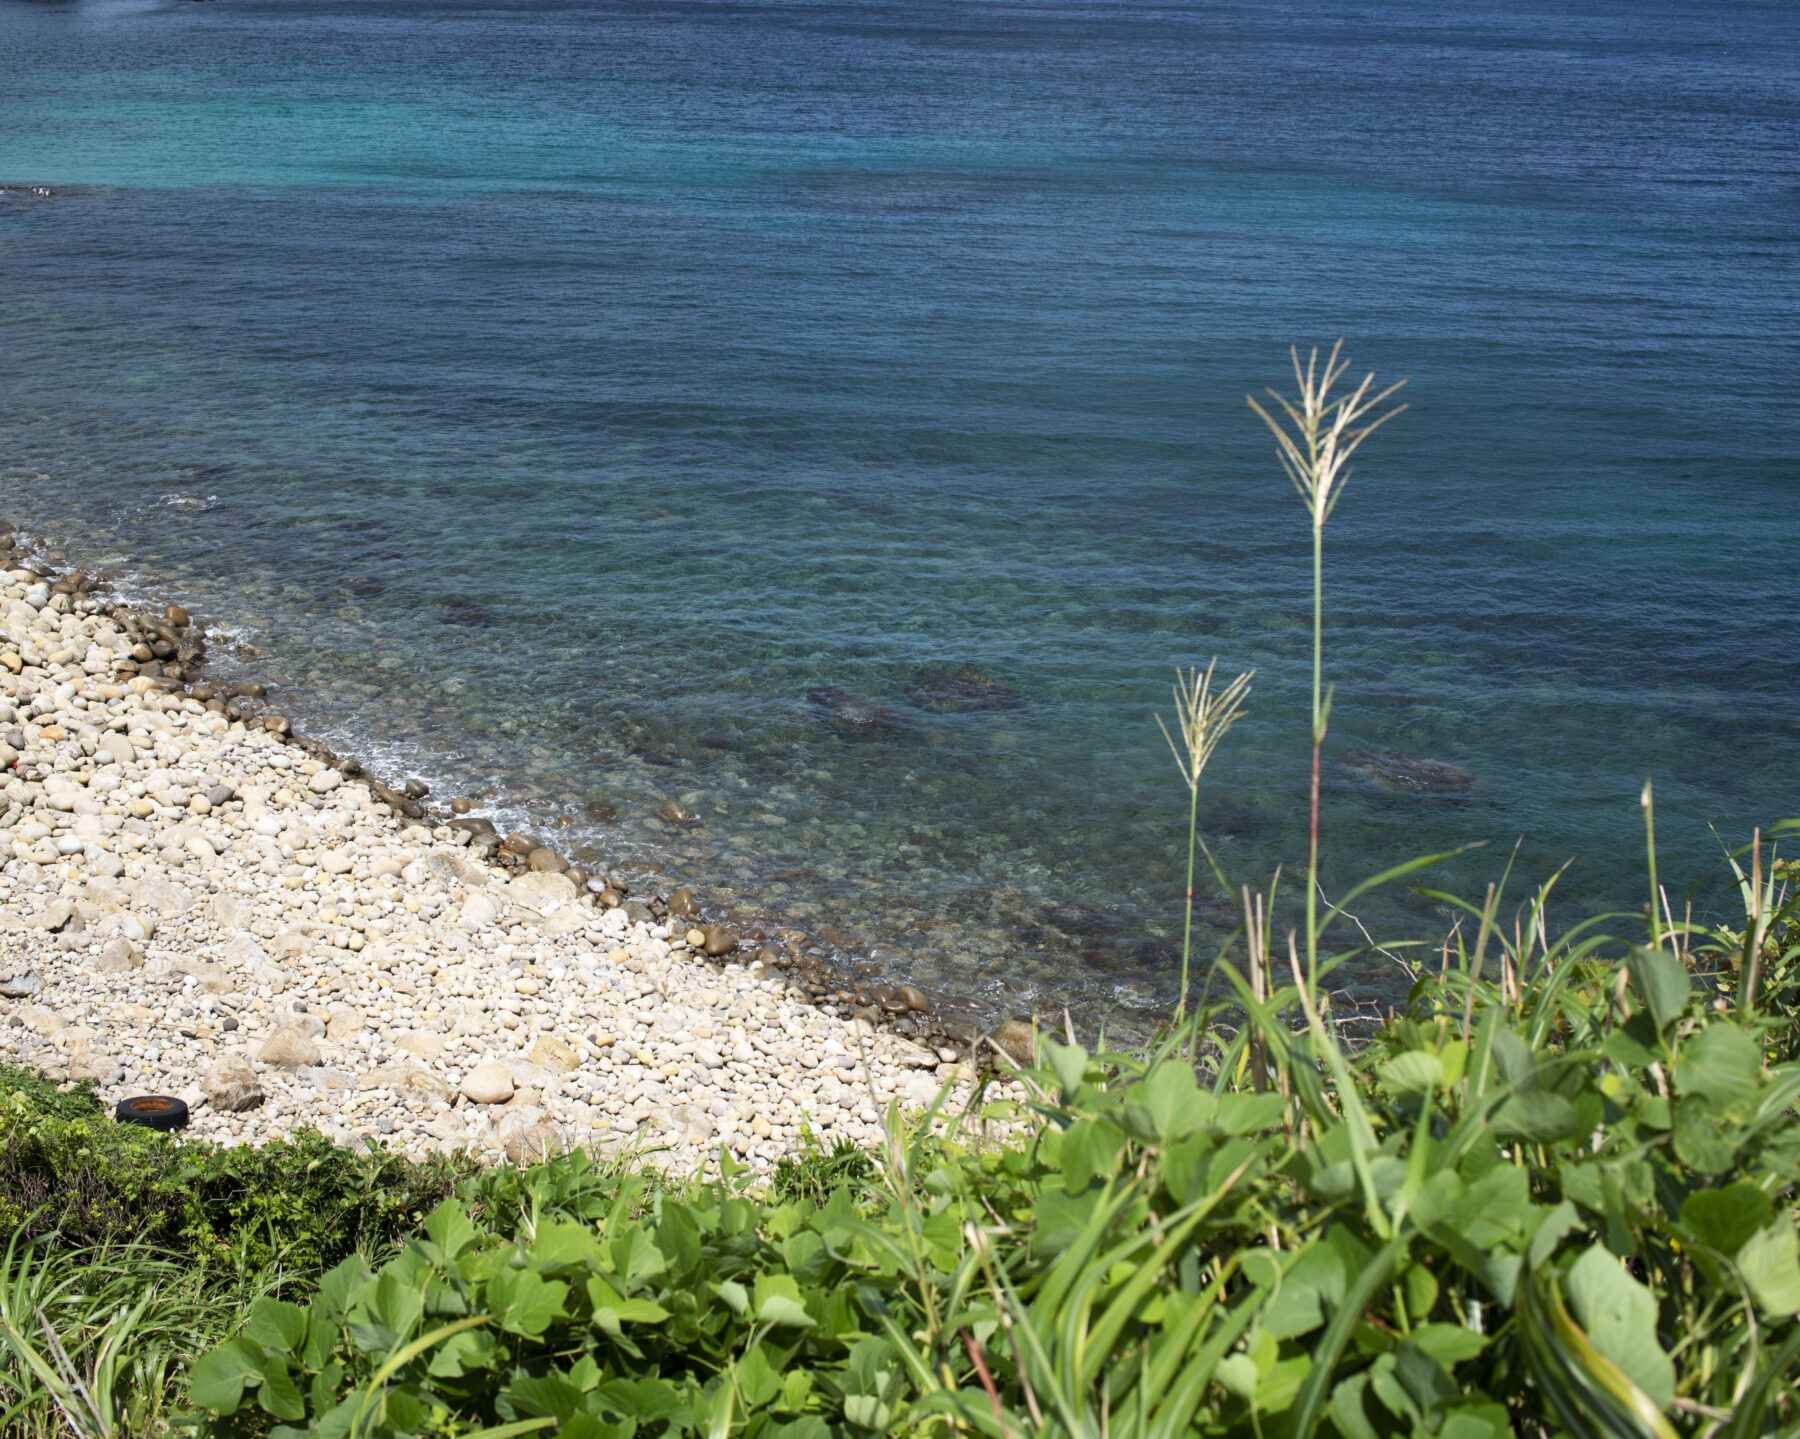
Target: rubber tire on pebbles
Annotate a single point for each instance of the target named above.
(152, 1111)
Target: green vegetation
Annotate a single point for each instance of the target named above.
(1554, 1194)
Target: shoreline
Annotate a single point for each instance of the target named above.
(198, 901)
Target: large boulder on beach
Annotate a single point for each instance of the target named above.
(538, 888)
(288, 1048)
(231, 1087)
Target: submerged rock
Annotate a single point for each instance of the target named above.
(1400, 773)
(848, 712)
(466, 613)
(962, 689)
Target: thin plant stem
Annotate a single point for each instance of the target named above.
(1315, 437)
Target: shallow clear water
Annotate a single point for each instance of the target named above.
(533, 382)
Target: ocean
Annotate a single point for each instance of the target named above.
(550, 397)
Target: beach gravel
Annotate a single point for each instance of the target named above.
(196, 904)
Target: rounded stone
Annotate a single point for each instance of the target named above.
(488, 1084)
(1016, 1040)
(546, 861)
(682, 902)
(674, 812)
(718, 940)
(913, 997)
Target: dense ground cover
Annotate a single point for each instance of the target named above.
(1554, 1194)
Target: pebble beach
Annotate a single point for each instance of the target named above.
(196, 901)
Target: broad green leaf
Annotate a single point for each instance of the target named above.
(525, 1302)
(1721, 1063)
(1246, 1112)
(646, 1400)
(1703, 1139)
(340, 1287)
(1619, 1315)
(276, 1324)
(277, 1394)
(218, 1380)
(1347, 1410)
(1476, 1421)
(1417, 1072)
(449, 1227)
(1449, 1344)
(758, 1381)
(734, 1295)
(1535, 1114)
(395, 1303)
(636, 1258)
(867, 1412)
(1176, 1104)
(1069, 1061)
(544, 1394)
(1661, 981)
(462, 1354)
(779, 1310)
(1724, 1219)
(1770, 1264)
(1090, 1149)
(561, 1245)
(1236, 1375)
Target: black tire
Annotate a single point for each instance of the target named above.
(152, 1111)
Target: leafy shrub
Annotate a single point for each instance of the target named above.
(43, 1095)
(303, 1203)
(1556, 1201)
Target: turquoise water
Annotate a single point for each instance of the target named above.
(535, 383)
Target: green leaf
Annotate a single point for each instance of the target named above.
(734, 1295)
(1090, 1149)
(525, 1302)
(544, 1394)
(1417, 1072)
(276, 1324)
(340, 1286)
(1448, 1343)
(218, 1380)
(1704, 1140)
(1176, 1104)
(1535, 1114)
(1236, 1375)
(277, 1394)
(1069, 1061)
(1246, 1112)
(1347, 1410)
(779, 1310)
(636, 1258)
(1724, 1219)
(1661, 981)
(562, 1245)
(1721, 1063)
(758, 1381)
(449, 1227)
(1770, 1264)
(1619, 1315)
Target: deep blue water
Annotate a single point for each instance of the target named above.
(532, 382)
